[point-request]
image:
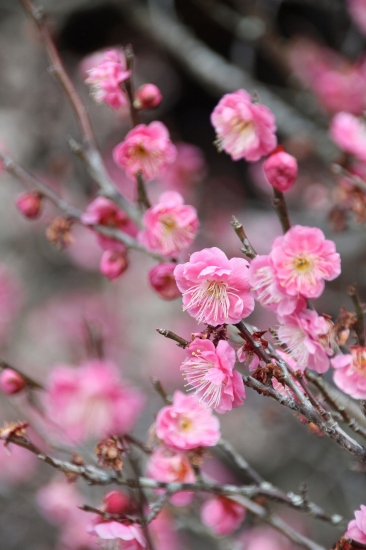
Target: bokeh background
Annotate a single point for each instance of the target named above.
(195, 51)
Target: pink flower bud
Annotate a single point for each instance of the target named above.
(281, 170)
(113, 264)
(161, 278)
(11, 382)
(29, 204)
(115, 502)
(147, 96)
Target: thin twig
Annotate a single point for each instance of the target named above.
(142, 197)
(129, 55)
(360, 327)
(247, 249)
(182, 343)
(279, 203)
(158, 387)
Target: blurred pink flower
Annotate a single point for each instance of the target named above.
(170, 226)
(267, 291)
(356, 529)
(147, 96)
(187, 424)
(357, 10)
(302, 259)
(127, 535)
(350, 373)
(281, 170)
(188, 168)
(164, 532)
(106, 77)
(349, 133)
(222, 515)
(17, 465)
(91, 400)
(215, 290)
(146, 149)
(11, 382)
(161, 278)
(113, 263)
(210, 372)
(306, 336)
(245, 130)
(165, 465)
(263, 538)
(29, 204)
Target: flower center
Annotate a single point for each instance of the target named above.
(168, 224)
(359, 360)
(212, 299)
(303, 264)
(184, 424)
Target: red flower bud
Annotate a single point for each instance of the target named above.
(11, 381)
(147, 96)
(29, 204)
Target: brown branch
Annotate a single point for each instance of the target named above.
(182, 343)
(247, 249)
(360, 327)
(279, 204)
(142, 197)
(129, 55)
(157, 385)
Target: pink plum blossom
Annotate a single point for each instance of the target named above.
(187, 424)
(281, 170)
(161, 278)
(147, 96)
(169, 226)
(106, 77)
(91, 400)
(356, 529)
(350, 372)
(164, 532)
(306, 335)
(209, 371)
(267, 290)
(302, 259)
(245, 130)
(127, 535)
(349, 133)
(29, 204)
(146, 149)
(215, 289)
(11, 382)
(222, 515)
(165, 465)
(113, 263)
(357, 10)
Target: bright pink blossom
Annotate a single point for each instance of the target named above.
(245, 130)
(116, 502)
(210, 372)
(222, 515)
(113, 263)
(356, 529)
(306, 335)
(266, 289)
(106, 78)
(281, 170)
(302, 259)
(170, 226)
(161, 278)
(147, 96)
(146, 149)
(29, 204)
(165, 465)
(11, 382)
(91, 400)
(127, 535)
(350, 373)
(349, 133)
(215, 290)
(187, 424)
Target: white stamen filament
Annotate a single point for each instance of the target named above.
(194, 371)
(212, 299)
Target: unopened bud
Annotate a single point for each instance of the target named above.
(162, 280)
(281, 170)
(115, 502)
(113, 263)
(147, 96)
(11, 382)
(29, 204)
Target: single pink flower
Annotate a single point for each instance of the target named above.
(164, 532)
(161, 278)
(356, 529)
(11, 382)
(106, 78)
(170, 226)
(210, 372)
(267, 290)
(245, 130)
(281, 170)
(29, 204)
(146, 149)
(113, 263)
(306, 335)
(165, 465)
(222, 515)
(187, 424)
(302, 259)
(127, 535)
(350, 373)
(215, 290)
(349, 133)
(147, 96)
(91, 400)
